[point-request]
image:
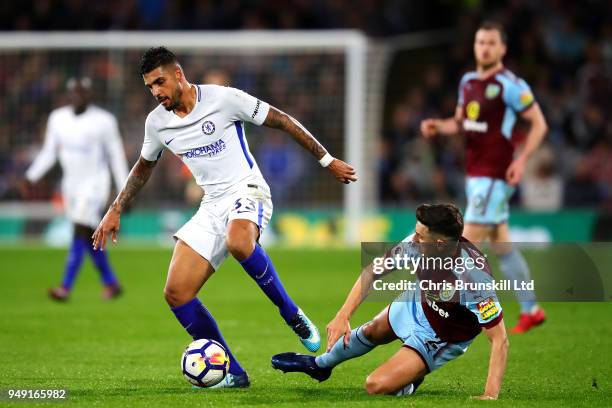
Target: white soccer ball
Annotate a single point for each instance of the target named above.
(205, 363)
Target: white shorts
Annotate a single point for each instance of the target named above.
(84, 211)
(205, 231)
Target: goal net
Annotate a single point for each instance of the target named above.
(317, 77)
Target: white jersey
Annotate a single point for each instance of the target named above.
(85, 145)
(211, 139)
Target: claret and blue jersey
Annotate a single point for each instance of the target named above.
(490, 108)
(440, 324)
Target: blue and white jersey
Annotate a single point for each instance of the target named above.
(211, 139)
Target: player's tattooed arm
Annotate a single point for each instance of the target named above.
(277, 119)
(136, 179)
(109, 226)
(280, 120)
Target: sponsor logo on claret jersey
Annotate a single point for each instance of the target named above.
(472, 110)
(474, 126)
(492, 91)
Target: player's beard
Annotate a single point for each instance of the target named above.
(175, 99)
(489, 64)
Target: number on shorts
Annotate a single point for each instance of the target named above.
(247, 205)
(433, 345)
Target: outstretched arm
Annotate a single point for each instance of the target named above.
(340, 325)
(110, 223)
(449, 126)
(280, 120)
(497, 362)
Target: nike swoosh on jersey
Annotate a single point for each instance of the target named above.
(169, 141)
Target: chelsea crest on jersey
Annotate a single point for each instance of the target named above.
(211, 139)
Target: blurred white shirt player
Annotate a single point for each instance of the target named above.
(85, 139)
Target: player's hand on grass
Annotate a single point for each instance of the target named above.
(429, 128)
(344, 172)
(515, 171)
(338, 327)
(485, 397)
(109, 226)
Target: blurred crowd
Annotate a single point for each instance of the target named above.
(374, 17)
(564, 51)
(35, 84)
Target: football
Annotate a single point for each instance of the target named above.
(204, 363)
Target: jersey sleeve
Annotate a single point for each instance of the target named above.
(462, 83)
(245, 107)
(152, 147)
(116, 154)
(518, 95)
(483, 303)
(405, 248)
(47, 157)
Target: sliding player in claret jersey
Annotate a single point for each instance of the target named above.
(436, 324)
(490, 100)
(204, 126)
(85, 140)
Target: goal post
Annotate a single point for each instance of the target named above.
(333, 87)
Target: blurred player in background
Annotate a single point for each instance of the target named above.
(86, 141)
(490, 100)
(204, 126)
(435, 325)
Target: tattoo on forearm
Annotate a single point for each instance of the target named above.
(280, 120)
(137, 178)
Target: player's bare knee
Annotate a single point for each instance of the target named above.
(375, 386)
(175, 297)
(377, 331)
(239, 245)
(369, 331)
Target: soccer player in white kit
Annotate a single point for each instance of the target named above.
(204, 126)
(86, 141)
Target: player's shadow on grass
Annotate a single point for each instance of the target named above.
(253, 396)
(288, 395)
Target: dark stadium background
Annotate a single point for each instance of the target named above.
(126, 353)
(563, 49)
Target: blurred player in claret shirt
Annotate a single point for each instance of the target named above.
(85, 140)
(491, 99)
(435, 325)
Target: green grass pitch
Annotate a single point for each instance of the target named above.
(126, 353)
